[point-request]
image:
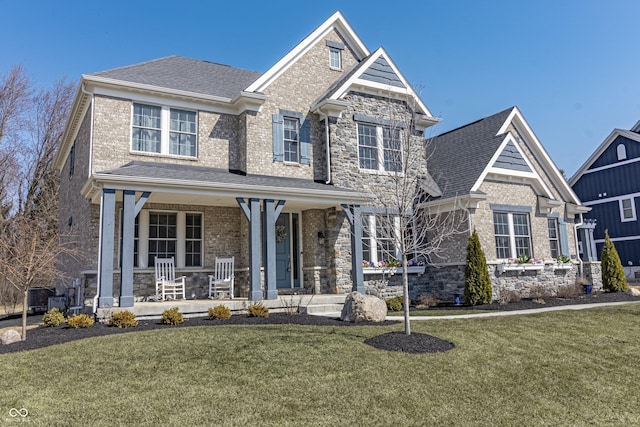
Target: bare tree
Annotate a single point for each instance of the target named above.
(407, 233)
(31, 127)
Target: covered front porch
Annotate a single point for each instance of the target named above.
(282, 232)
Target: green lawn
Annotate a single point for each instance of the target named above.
(561, 368)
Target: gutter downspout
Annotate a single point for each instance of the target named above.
(575, 236)
(328, 151)
(95, 298)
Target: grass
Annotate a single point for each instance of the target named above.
(560, 368)
(433, 312)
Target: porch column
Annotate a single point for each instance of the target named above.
(252, 212)
(130, 210)
(270, 213)
(107, 230)
(354, 215)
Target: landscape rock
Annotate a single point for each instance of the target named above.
(635, 292)
(10, 336)
(363, 308)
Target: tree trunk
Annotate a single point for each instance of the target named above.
(25, 307)
(405, 291)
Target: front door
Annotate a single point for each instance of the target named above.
(287, 251)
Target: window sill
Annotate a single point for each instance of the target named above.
(502, 268)
(419, 269)
(161, 155)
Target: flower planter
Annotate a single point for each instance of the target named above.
(588, 288)
(502, 268)
(565, 267)
(419, 269)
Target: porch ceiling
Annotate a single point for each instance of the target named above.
(194, 185)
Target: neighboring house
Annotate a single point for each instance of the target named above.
(190, 159)
(608, 183)
(499, 173)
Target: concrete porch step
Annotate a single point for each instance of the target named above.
(324, 309)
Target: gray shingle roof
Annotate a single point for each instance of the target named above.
(177, 72)
(216, 175)
(456, 158)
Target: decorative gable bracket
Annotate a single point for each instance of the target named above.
(545, 205)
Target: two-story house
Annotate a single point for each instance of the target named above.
(195, 160)
(608, 183)
(190, 159)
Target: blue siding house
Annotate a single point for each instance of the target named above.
(609, 183)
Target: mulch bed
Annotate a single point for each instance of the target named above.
(392, 341)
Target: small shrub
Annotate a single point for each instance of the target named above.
(219, 312)
(613, 278)
(539, 292)
(570, 291)
(123, 319)
(427, 301)
(53, 317)
(257, 310)
(80, 321)
(395, 303)
(172, 316)
(507, 296)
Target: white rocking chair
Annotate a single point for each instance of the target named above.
(221, 282)
(167, 284)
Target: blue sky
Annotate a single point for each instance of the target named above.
(571, 66)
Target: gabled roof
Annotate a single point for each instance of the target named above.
(377, 74)
(185, 74)
(335, 22)
(472, 145)
(460, 160)
(632, 135)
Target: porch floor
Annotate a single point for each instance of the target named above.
(311, 304)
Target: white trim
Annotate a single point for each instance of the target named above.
(415, 269)
(619, 239)
(601, 149)
(540, 154)
(611, 199)
(633, 209)
(335, 22)
(613, 165)
(355, 80)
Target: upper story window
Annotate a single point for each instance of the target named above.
(622, 152)
(335, 58)
(379, 148)
(164, 130)
(627, 210)
(291, 138)
(512, 233)
(335, 54)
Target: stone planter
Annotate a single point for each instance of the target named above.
(503, 268)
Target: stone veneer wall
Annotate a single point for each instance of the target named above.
(447, 282)
(593, 273)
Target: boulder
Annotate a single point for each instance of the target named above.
(363, 308)
(10, 336)
(633, 292)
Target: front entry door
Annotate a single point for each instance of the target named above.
(287, 251)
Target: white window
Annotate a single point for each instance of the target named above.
(627, 210)
(164, 130)
(291, 139)
(379, 148)
(552, 224)
(512, 234)
(622, 152)
(379, 235)
(335, 58)
(168, 234)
